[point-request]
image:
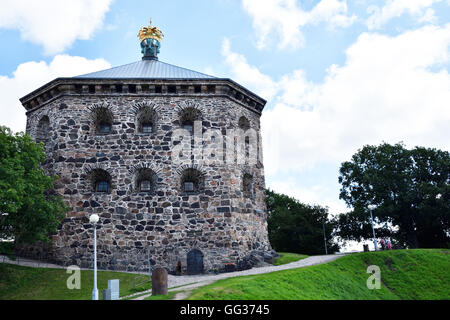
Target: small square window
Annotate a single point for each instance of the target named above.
(105, 128)
(188, 127)
(102, 186)
(147, 128)
(188, 186)
(145, 186)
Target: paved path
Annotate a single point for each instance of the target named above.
(191, 282)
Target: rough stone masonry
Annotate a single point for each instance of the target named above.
(110, 141)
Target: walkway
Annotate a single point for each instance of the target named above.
(191, 282)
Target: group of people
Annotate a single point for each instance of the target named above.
(385, 244)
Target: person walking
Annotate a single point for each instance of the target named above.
(388, 244)
(382, 244)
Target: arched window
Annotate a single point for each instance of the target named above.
(191, 181)
(146, 180)
(243, 123)
(247, 185)
(103, 120)
(187, 118)
(100, 180)
(43, 129)
(146, 119)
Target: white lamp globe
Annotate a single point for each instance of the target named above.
(94, 218)
(371, 207)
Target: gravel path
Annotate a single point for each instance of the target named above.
(191, 282)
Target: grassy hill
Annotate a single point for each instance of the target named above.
(27, 283)
(286, 257)
(405, 274)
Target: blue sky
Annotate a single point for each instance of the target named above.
(336, 74)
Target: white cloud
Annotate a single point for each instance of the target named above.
(286, 18)
(389, 89)
(262, 84)
(385, 91)
(396, 8)
(55, 24)
(30, 76)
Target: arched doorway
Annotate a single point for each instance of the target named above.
(194, 262)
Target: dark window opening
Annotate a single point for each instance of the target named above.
(147, 128)
(188, 186)
(145, 180)
(145, 186)
(187, 118)
(172, 89)
(104, 128)
(91, 89)
(158, 89)
(100, 180)
(119, 88)
(211, 89)
(103, 120)
(197, 89)
(191, 181)
(78, 88)
(132, 88)
(146, 118)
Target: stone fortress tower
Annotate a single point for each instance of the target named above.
(112, 138)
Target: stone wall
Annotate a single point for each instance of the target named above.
(220, 220)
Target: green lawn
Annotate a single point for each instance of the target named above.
(26, 283)
(405, 274)
(286, 257)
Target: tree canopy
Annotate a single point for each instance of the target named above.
(29, 210)
(297, 227)
(411, 189)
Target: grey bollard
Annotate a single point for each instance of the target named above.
(107, 294)
(159, 281)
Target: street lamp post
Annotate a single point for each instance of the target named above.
(324, 238)
(372, 207)
(94, 219)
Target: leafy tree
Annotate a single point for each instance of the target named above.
(411, 189)
(29, 210)
(297, 227)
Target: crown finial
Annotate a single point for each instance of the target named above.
(150, 38)
(150, 32)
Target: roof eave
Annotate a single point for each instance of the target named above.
(72, 80)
